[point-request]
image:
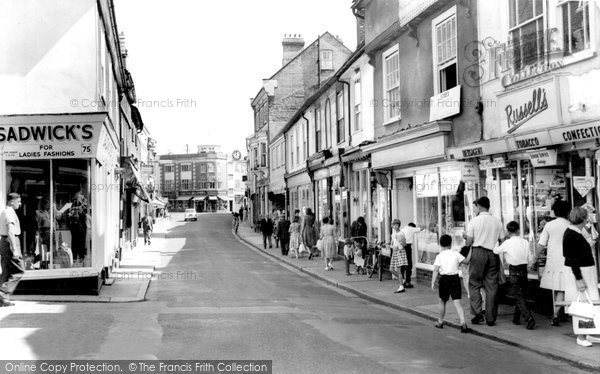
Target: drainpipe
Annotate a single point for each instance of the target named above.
(342, 168)
(310, 175)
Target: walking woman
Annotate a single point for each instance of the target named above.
(579, 257)
(309, 235)
(295, 238)
(555, 271)
(328, 243)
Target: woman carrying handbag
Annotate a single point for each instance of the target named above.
(583, 278)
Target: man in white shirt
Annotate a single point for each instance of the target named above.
(409, 233)
(11, 258)
(483, 233)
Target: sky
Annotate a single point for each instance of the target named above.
(197, 64)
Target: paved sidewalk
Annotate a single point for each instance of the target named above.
(556, 342)
(130, 281)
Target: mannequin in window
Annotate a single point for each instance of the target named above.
(77, 223)
(42, 223)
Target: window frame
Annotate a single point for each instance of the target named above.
(327, 117)
(437, 66)
(329, 61)
(318, 130)
(518, 26)
(357, 107)
(591, 24)
(340, 118)
(384, 56)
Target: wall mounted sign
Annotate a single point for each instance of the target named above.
(445, 104)
(516, 116)
(529, 108)
(494, 163)
(583, 185)
(546, 157)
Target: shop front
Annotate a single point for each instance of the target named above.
(66, 169)
(543, 156)
(299, 191)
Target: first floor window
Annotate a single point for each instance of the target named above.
(576, 26)
(391, 84)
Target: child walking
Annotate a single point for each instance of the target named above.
(446, 265)
(348, 254)
(515, 252)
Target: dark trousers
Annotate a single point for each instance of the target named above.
(265, 237)
(147, 236)
(518, 286)
(78, 243)
(285, 246)
(483, 272)
(12, 270)
(407, 270)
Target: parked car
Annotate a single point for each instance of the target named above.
(190, 214)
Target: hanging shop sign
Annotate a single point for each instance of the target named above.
(426, 185)
(445, 104)
(493, 163)
(583, 185)
(529, 108)
(546, 157)
(469, 171)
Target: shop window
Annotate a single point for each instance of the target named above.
(575, 26)
(444, 41)
(56, 214)
(526, 20)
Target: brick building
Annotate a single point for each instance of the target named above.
(208, 180)
(304, 71)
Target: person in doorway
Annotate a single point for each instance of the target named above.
(555, 271)
(483, 234)
(399, 259)
(148, 227)
(309, 235)
(241, 213)
(11, 258)
(266, 228)
(328, 240)
(446, 264)
(580, 258)
(283, 233)
(409, 234)
(515, 252)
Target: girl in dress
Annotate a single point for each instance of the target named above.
(399, 259)
(295, 236)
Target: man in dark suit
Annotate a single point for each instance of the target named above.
(266, 227)
(283, 233)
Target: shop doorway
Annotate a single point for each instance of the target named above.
(404, 200)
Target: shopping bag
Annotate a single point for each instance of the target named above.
(386, 251)
(302, 248)
(320, 245)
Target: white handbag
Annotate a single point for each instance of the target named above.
(583, 309)
(386, 250)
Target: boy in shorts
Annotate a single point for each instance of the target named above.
(446, 265)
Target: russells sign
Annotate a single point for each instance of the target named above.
(517, 116)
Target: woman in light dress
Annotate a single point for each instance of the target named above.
(295, 239)
(399, 259)
(328, 243)
(551, 239)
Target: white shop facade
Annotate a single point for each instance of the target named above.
(66, 169)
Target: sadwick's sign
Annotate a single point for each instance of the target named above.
(44, 133)
(517, 116)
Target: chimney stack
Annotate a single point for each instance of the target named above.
(292, 44)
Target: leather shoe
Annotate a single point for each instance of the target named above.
(465, 329)
(477, 320)
(555, 322)
(530, 323)
(439, 325)
(408, 285)
(490, 323)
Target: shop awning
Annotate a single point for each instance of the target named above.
(213, 198)
(198, 198)
(158, 203)
(183, 198)
(134, 180)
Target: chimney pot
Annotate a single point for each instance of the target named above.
(292, 45)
